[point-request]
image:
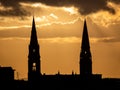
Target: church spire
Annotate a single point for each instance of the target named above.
(85, 55)
(34, 67)
(33, 33)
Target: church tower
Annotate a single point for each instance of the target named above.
(85, 55)
(34, 56)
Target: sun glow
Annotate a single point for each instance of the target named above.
(71, 10)
(36, 5)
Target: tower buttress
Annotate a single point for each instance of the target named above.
(85, 54)
(34, 70)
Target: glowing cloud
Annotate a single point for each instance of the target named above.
(5, 9)
(104, 18)
(71, 10)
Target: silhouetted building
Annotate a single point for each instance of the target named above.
(34, 72)
(83, 81)
(34, 56)
(86, 57)
(6, 74)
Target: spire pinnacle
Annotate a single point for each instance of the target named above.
(33, 24)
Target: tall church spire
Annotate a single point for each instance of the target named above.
(34, 56)
(85, 55)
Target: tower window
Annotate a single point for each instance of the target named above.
(33, 50)
(34, 67)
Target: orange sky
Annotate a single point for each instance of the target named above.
(59, 30)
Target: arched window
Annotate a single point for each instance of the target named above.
(34, 67)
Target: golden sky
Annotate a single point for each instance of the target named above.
(59, 28)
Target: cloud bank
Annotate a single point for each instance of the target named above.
(85, 7)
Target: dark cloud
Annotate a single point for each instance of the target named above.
(84, 6)
(16, 10)
(92, 6)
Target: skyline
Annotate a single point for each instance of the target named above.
(59, 30)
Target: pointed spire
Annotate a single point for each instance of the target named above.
(85, 55)
(85, 38)
(33, 24)
(33, 33)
